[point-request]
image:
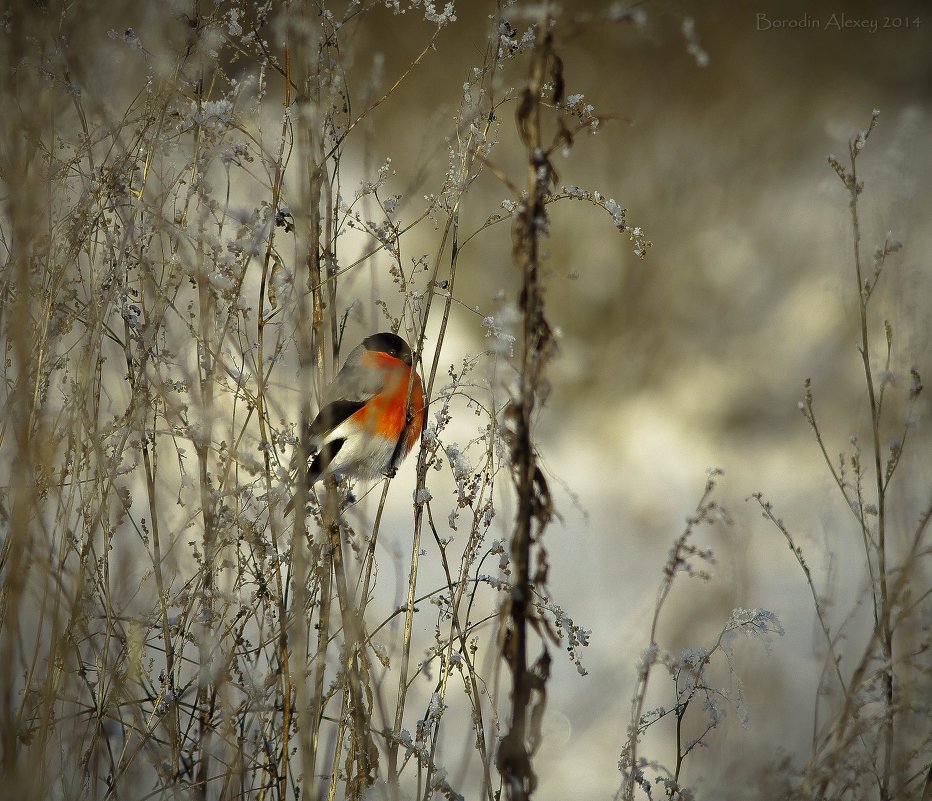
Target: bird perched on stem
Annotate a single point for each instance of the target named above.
(371, 416)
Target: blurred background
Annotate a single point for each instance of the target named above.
(696, 356)
(718, 121)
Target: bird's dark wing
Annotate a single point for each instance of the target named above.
(322, 451)
(331, 416)
(323, 458)
(352, 388)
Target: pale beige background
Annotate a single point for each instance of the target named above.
(692, 358)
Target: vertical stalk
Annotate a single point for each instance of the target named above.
(451, 226)
(514, 753)
(280, 589)
(882, 612)
(310, 80)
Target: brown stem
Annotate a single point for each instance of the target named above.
(882, 609)
(514, 753)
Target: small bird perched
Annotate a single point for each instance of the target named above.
(367, 423)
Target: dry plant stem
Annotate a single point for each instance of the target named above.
(883, 614)
(514, 753)
(362, 748)
(833, 657)
(418, 522)
(320, 669)
(886, 596)
(313, 337)
(202, 442)
(640, 694)
(458, 634)
(461, 583)
(262, 416)
(366, 576)
(311, 345)
(169, 689)
(405, 668)
(451, 228)
(18, 154)
(837, 741)
(429, 47)
(335, 773)
(141, 405)
(29, 546)
(856, 504)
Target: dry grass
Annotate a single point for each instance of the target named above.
(197, 224)
(172, 250)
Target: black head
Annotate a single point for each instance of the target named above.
(389, 343)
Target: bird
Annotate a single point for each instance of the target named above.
(371, 415)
